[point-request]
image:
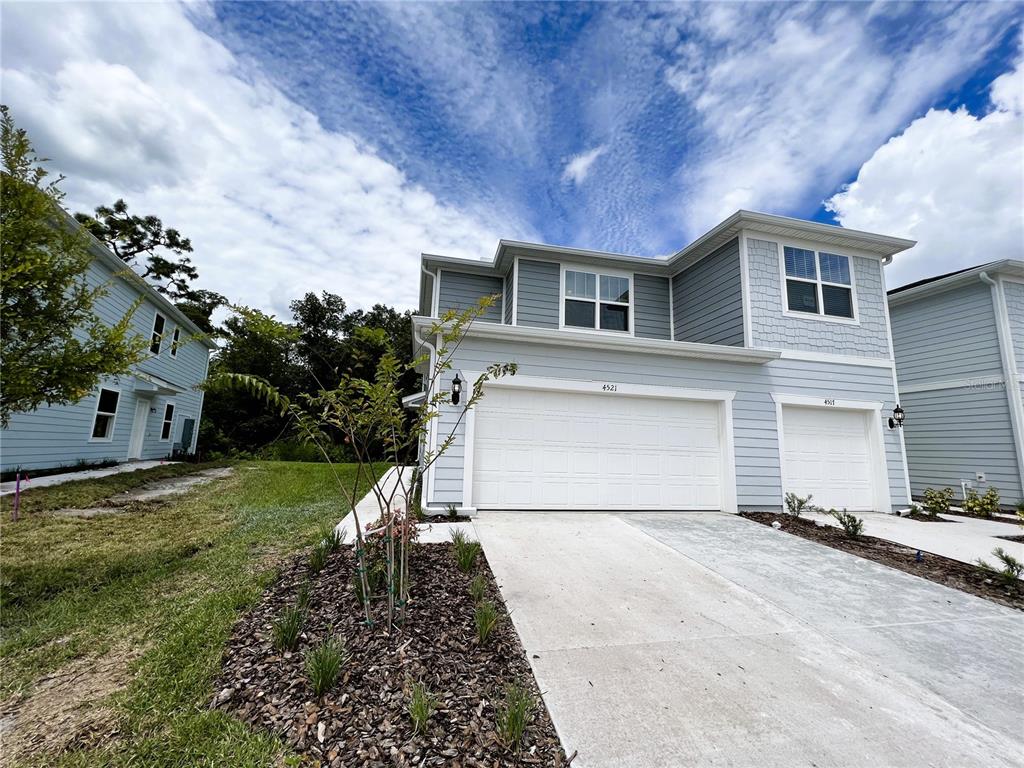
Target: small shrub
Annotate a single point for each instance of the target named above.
(466, 551)
(422, 704)
(915, 509)
(286, 629)
(937, 502)
(1011, 571)
(795, 504)
(853, 526)
(514, 714)
(452, 511)
(478, 588)
(486, 619)
(331, 538)
(981, 506)
(318, 557)
(324, 663)
(303, 595)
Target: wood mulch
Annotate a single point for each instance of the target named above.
(924, 517)
(942, 570)
(363, 720)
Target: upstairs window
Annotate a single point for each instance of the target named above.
(174, 341)
(596, 301)
(168, 425)
(106, 413)
(159, 323)
(818, 283)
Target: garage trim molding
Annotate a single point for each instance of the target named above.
(876, 442)
(723, 397)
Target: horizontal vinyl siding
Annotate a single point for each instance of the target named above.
(461, 291)
(509, 297)
(59, 435)
(1014, 293)
(947, 336)
(754, 421)
(651, 307)
(708, 301)
(537, 293)
(953, 433)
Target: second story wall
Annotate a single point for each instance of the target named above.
(651, 307)
(537, 293)
(1014, 293)
(773, 327)
(707, 299)
(462, 290)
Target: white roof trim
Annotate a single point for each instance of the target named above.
(1009, 267)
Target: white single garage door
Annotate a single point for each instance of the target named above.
(827, 453)
(540, 449)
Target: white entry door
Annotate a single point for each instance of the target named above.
(138, 428)
(542, 449)
(830, 454)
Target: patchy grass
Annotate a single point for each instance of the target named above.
(166, 582)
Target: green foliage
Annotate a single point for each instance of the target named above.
(514, 714)
(796, 505)
(304, 595)
(478, 588)
(331, 538)
(451, 511)
(286, 628)
(485, 617)
(323, 665)
(981, 506)
(318, 556)
(53, 347)
(422, 704)
(852, 525)
(1011, 569)
(466, 551)
(937, 502)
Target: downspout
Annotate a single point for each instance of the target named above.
(1009, 368)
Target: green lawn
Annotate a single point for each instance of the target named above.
(167, 583)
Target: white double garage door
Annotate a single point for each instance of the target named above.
(549, 449)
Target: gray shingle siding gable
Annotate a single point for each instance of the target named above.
(707, 299)
(537, 293)
(462, 290)
(771, 328)
(651, 307)
(1014, 293)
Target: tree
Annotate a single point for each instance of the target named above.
(53, 347)
(200, 306)
(129, 236)
(320, 321)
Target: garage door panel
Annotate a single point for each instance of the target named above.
(595, 451)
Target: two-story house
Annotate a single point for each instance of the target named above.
(754, 362)
(148, 414)
(959, 341)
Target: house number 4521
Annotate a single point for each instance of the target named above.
(829, 401)
(610, 387)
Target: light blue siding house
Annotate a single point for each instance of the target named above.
(148, 414)
(959, 342)
(753, 362)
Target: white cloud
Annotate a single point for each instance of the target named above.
(952, 181)
(794, 103)
(133, 101)
(578, 166)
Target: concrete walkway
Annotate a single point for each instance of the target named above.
(706, 639)
(965, 540)
(87, 474)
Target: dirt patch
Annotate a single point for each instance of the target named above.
(1011, 538)
(942, 570)
(363, 720)
(148, 496)
(924, 517)
(993, 519)
(66, 709)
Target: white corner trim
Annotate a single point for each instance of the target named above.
(1010, 375)
(436, 298)
(748, 318)
(783, 482)
(469, 440)
(828, 357)
(671, 308)
(784, 398)
(729, 491)
(895, 381)
(515, 291)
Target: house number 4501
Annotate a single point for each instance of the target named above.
(829, 401)
(610, 387)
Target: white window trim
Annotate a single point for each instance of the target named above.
(818, 282)
(96, 411)
(163, 420)
(597, 300)
(175, 337)
(160, 342)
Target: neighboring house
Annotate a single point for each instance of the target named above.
(755, 361)
(959, 341)
(148, 414)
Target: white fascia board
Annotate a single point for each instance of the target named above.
(1010, 268)
(564, 338)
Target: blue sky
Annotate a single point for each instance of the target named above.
(331, 143)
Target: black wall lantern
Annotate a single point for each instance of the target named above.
(457, 390)
(896, 420)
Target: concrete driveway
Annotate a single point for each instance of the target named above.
(706, 639)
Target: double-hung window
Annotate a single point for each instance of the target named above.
(106, 413)
(818, 283)
(168, 425)
(175, 341)
(597, 301)
(157, 337)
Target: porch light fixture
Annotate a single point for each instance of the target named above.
(896, 420)
(456, 389)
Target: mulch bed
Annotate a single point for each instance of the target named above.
(363, 720)
(942, 570)
(993, 519)
(1011, 538)
(924, 517)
